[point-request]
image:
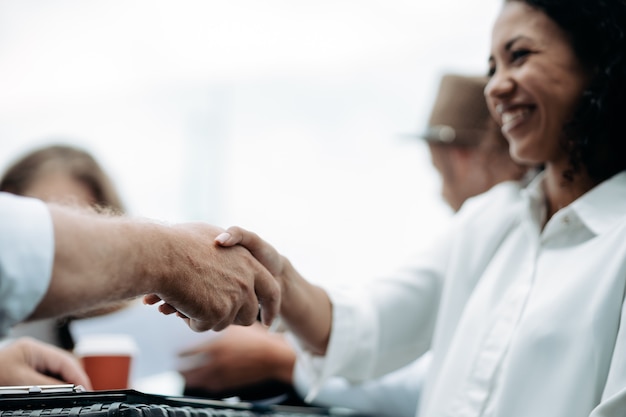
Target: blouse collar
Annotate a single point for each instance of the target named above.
(600, 208)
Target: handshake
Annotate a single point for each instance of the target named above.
(240, 275)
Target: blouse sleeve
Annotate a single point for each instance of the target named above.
(382, 326)
(387, 323)
(393, 395)
(26, 257)
(613, 402)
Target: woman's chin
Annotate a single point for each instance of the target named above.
(525, 158)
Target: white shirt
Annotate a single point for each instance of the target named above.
(395, 394)
(522, 321)
(26, 257)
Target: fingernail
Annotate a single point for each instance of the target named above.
(266, 319)
(222, 238)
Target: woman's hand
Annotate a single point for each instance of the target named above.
(305, 308)
(265, 253)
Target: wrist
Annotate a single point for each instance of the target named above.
(154, 258)
(306, 310)
(292, 288)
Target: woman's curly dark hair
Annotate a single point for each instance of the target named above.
(596, 138)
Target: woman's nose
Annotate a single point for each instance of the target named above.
(499, 85)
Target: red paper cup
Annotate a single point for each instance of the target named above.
(107, 359)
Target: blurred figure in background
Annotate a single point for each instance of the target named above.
(63, 174)
(471, 155)
(68, 175)
(466, 146)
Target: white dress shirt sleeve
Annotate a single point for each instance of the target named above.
(613, 403)
(26, 257)
(531, 318)
(395, 394)
(369, 337)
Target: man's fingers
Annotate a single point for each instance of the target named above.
(266, 287)
(268, 317)
(43, 360)
(247, 314)
(70, 371)
(151, 299)
(35, 378)
(268, 292)
(245, 310)
(200, 326)
(167, 309)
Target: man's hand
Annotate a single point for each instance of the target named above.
(99, 260)
(211, 287)
(27, 361)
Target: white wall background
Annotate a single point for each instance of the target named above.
(282, 116)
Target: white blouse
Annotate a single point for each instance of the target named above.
(395, 394)
(522, 321)
(26, 257)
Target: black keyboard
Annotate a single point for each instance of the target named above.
(29, 402)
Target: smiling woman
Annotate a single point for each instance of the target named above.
(558, 94)
(536, 82)
(521, 301)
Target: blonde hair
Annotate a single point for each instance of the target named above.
(73, 161)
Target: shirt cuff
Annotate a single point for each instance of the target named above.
(352, 347)
(26, 257)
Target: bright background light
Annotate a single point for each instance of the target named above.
(282, 116)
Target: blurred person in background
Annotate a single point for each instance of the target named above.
(470, 154)
(68, 175)
(64, 174)
(466, 146)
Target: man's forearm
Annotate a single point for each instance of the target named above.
(98, 259)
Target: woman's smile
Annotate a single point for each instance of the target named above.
(536, 83)
(514, 117)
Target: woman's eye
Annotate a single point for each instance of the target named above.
(519, 54)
